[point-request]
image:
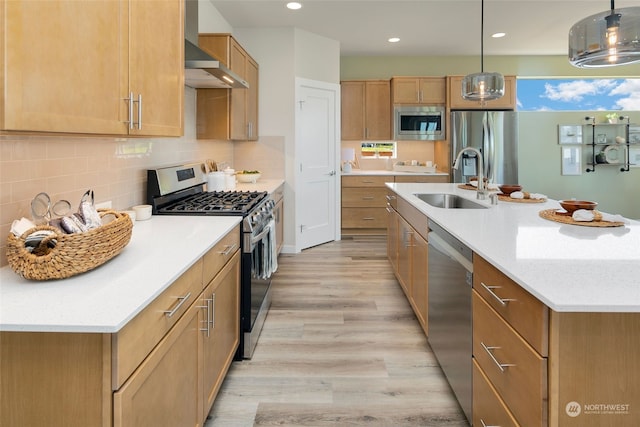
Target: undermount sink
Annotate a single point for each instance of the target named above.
(449, 201)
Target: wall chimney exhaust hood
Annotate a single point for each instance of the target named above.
(201, 70)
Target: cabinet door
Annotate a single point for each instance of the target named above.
(406, 90)
(221, 321)
(392, 238)
(507, 102)
(419, 278)
(252, 99)
(377, 110)
(433, 90)
(164, 390)
(352, 110)
(405, 237)
(71, 82)
(238, 119)
(157, 67)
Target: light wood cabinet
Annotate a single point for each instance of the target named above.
(112, 68)
(419, 90)
(364, 204)
(230, 114)
(456, 101)
(407, 250)
(165, 389)
(364, 201)
(220, 329)
(365, 110)
(164, 367)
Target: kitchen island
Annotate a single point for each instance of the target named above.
(556, 308)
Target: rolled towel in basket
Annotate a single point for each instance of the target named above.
(527, 195)
(586, 215)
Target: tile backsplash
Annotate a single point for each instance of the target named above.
(114, 168)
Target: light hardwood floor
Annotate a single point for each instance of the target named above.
(340, 347)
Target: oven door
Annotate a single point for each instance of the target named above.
(260, 256)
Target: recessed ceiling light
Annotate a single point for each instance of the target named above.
(294, 5)
(394, 40)
(498, 35)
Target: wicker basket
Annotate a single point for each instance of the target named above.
(73, 253)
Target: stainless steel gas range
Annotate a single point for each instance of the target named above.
(180, 190)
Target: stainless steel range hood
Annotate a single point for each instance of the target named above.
(201, 70)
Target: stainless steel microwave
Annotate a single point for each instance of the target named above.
(419, 122)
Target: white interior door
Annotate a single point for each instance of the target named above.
(317, 179)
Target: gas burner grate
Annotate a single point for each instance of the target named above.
(217, 202)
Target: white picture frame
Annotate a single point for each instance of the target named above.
(569, 134)
(634, 157)
(634, 134)
(571, 160)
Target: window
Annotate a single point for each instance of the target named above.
(378, 150)
(592, 94)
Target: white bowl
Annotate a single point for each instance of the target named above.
(248, 177)
(143, 212)
(132, 215)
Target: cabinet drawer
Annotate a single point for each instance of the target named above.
(219, 255)
(366, 181)
(364, 218)
(355, 197)
(136, 340)
(525, 313)
(517, 372)
(488, 408)
(413, 216)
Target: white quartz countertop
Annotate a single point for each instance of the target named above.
(103, 300)
(268, 185)
(383, 172)
(570, 268)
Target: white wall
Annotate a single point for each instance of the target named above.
(282, 54)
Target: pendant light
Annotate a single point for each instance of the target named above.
(606, 39)
(482, 86)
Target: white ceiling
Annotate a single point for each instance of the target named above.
(425, 27)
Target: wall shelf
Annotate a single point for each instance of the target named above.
(609, 144)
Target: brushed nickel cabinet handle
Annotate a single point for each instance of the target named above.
(206, 321)
(228, 250)
(139, 111)
(367, 198)
(130, 99)
(489, 351)
(484, 425)
(502, 301)
(181, 300)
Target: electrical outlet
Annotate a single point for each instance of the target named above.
(104, 205)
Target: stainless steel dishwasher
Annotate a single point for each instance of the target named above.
(450, 335)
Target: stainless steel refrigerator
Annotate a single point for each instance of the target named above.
(495, 134)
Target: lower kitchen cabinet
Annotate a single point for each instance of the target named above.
(407, 250)
(164, 390)
(364, 201)
(163, 368)
(278, 215)
(220, 329)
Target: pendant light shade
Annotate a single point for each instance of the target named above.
(606, 39)
(482, 86)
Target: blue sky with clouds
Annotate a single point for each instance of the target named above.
(578, 94)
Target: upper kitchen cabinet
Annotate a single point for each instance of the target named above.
(366, 110)
(456, 102)
(419, 90)
(110, 67)
(229, 113)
